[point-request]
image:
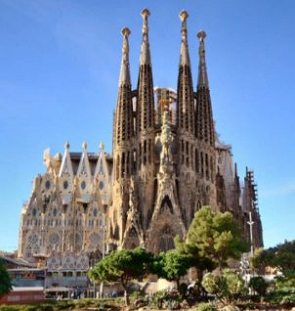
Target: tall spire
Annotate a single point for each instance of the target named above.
(123, 131)
(145, 89)
(204, 115)
(185, 94)
(203, 77)
(184, 54)
(145, 55)
(125, 70)
(124, 112)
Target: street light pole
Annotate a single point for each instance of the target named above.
(251, 223)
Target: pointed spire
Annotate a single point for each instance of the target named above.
(123, 116)
(101, 146)
(125, 70)
(66, 164)
(145, 88)
(185, 93)
(145, 55)
(204, 116)
(84, 146)
(203, 77)
(84, 166)
(184, 54)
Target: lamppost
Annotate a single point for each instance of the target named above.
(251, 223)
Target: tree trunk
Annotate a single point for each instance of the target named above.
(126, 298)
(124, 283)
(178, 284)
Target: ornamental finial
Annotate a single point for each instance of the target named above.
(145, 13)
(183, 15)
(67, 145)
(84, 145)
(202, 35)
(125, 32)
(101, 146)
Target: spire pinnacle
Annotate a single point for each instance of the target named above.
(84, 145)
(145, 55)
(67, 145)
(203, 77)
(184, 54)
(125, 71)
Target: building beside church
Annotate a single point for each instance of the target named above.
(166, 162)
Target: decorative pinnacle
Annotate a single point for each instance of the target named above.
(202, 35)
(145, 57)
(184, 53)
(183, 15)
(84, 145)
(101, 145)
(145, 13)
(124, 71)
(125, 32)
(203, 77)
(67, 145)
(164, 102)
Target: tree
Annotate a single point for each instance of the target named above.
(281, 256)
(225, 285)
(261, 259)
(172, 265)
(5, 281)
(217, 236)
(123, 265)
(259, 285)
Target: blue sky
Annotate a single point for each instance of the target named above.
(59, 68)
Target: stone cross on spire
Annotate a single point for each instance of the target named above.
(203, 77)
(125, 70)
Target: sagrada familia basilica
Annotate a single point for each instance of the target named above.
(166, 163)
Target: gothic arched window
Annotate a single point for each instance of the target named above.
(166, 205)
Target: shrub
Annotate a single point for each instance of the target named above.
(165, 299)
(205, 307)
(228, 285)
(259, 285)
(214, 284)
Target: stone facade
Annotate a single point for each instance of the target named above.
(66, 210)
(167, 162)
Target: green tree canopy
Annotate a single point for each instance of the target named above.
(217, 236)
(172, 265)
(201, 263)
(122, 265)
(5, 281)
(281, 256)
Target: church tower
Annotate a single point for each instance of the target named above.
(205, 154)
(123, 144)
(145, 125)
(186, 141)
